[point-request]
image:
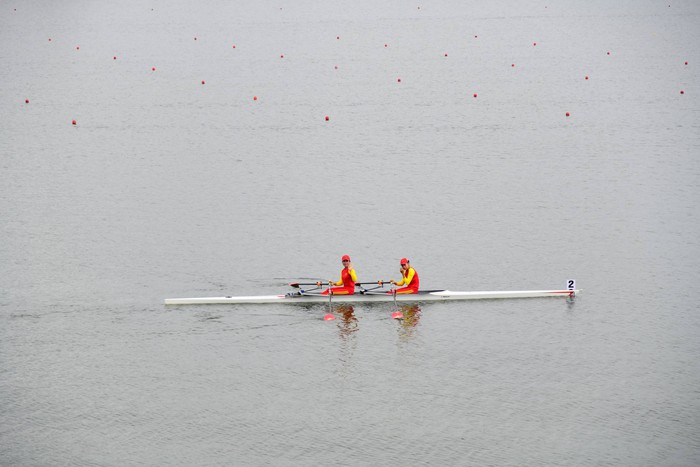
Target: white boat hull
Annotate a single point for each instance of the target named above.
(423, 296)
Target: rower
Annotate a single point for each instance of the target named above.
(346, 284)
(409, 279)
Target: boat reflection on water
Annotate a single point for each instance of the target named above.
(411, 318)
(347, 324)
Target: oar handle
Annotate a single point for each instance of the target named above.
(372, 283)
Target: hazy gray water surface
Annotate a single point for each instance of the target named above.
(447, 142)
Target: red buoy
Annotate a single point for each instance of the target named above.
(445, 55)
(255, 98)
(328, 317)
(682, 92)
(203, 82)
(686, 63)
(586, 76)
(74, 122)
(282, 56)
(534, 44)
(327, 118)
(475, 95)
(153, 69)
(398, 80)
(234, 46)
(26, 101)
(114, 58)
(397, 315)
(512, 65)
(568, 114)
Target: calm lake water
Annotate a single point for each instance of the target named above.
(201, 163)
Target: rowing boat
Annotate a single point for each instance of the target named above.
(303, 297)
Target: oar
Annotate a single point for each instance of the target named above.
(378, 285)
(330, 316)
(396, 314)
(297, 284)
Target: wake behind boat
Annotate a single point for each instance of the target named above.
(372, 295)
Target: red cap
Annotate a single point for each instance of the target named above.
(345, 258)
(404, 261)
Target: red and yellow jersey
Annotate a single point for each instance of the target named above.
(410, 279)
(348, 277)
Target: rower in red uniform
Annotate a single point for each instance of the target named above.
(409, 279)
(348, 277)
